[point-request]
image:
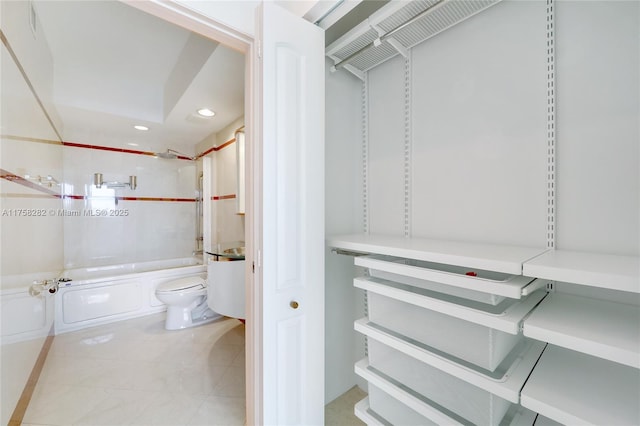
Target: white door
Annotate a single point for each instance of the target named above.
(290, 275)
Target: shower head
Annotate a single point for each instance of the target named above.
(171, 154)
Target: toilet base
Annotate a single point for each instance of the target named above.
(179, 317)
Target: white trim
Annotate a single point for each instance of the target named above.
(172, 11)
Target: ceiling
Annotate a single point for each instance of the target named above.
(116, 67)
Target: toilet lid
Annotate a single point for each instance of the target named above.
(183, 284)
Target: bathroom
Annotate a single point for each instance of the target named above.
(502, 145)
(119, 210)
(270, 205)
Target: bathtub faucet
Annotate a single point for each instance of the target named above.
(45, 285)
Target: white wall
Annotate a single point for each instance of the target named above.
(478, 124)
(598, 126)
(343, 303)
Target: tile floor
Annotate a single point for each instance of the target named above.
(135, 372)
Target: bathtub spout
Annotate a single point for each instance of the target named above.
(45, 285)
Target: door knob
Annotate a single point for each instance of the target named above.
(294, 304)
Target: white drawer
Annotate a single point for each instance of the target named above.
(467, 401)
(477, 344)
(394, 411)
(473, 284)
(396, 404)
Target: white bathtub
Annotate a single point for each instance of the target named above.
(105, 294)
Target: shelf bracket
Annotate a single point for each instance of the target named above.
(399, 47)
(355, 71)
(392, 41)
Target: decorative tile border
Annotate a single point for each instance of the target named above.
(219, 147)
(223, 197)
(118, 198)
(216, 148)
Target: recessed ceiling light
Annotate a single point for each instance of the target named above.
(139, 127)
(132, 144)
(206, 112)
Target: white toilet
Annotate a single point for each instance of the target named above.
(186, 300)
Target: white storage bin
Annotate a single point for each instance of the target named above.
(469, 402)
(490, 299)
(479, 345)
(469, 283)
(394, 411)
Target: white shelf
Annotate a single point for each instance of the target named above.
(398, 26)
(489, 257)
(600, 328)
(574, 388)
(508, 320)
(415, 403)
(545, 421)
(363, 411)
(598, 270)
(507, 387)
(523, 417)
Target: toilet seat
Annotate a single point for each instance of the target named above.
(182, 284)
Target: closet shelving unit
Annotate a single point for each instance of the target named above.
(596, 343)
(569, 359)
(592, 344)
(398, 27)
(574, 388)
(419, 282)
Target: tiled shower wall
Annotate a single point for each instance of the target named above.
(120, 225)
(226, 224)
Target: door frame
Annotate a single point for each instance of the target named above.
(175, 13)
